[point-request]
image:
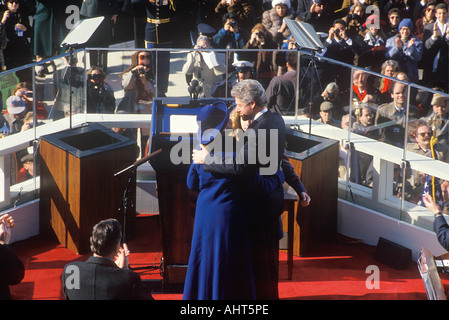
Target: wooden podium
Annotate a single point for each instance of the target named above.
(315, 161)
(176, 202)
(78, 186)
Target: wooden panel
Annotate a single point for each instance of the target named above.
(77, 193)
(177, 212)
(317, 223)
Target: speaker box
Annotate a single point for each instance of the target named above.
(392, 254)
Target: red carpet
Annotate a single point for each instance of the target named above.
(337, 271)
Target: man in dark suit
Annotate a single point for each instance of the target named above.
(436, 49)
(260, 154)
(100, 277)
(440, 225)
(12, 270)
(281, 91)
(102, 37)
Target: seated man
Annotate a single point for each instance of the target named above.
(423, 183)
(326, 114)
(395, 112)
(439, 117)
(100, 277)
(363, 91)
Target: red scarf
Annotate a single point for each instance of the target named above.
(387, 85)
(356, 90)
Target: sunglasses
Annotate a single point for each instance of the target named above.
(243, 70)
(423, 134)
(143, 57)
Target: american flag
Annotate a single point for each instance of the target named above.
(433, 187)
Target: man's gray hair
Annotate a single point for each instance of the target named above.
(203, 38)
(250, 90)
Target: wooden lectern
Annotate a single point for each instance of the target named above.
(78, 187)
(315, 161)
(173, 122)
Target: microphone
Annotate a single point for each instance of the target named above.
(194, 89)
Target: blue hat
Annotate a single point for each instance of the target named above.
(406, 23)
(212, 116)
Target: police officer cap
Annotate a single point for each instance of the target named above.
(205, 29)
(243, 64)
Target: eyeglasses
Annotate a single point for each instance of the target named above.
(143, 57)
(423, 134)
(430, 10)
(243, 70)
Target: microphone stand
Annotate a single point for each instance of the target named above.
(125, 200)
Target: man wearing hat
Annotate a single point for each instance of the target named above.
(16, 108)
(244, 70)
(406, 49)
(326, 114)
(27, 172)
(438, 119)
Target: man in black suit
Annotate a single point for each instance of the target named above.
(100, 277)
(12, 270)
(436, 49)
(260, 154)
(440, 225)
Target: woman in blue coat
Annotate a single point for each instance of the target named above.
(220, 266)
(406, 49)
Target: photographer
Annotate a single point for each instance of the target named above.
(24, 90)
(338, 46)
(262, 60)
(100, 96)
(206, 67)
(137, 81)
(231, 36)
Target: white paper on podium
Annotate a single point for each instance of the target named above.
(82, 31)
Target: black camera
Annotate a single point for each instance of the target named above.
(233, 24)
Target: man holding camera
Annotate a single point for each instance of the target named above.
(206, 67)
(230, 36)
(100, 96)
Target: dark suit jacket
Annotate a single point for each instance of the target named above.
(263, 209)
(442, 231)
(101, 279)
(431, 49)
(12, 271)
(281, 93)
(247, 159)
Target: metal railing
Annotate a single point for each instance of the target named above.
(390, 182)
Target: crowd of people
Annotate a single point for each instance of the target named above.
(400, 39)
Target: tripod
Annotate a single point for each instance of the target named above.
(314, 71)
(126, 201)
